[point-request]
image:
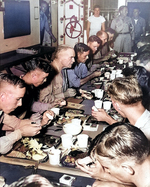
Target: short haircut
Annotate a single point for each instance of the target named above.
(125, 90)
(144, 58)
(143, 49)
(94, 38)
(96, 6)
(80, 48)
(43, 2)
(59, 49)
(11, 79)
(122, 7)
(33, 180)
(122, 141)
(100, 33)
(37, 63)
(110, 30)
(136, 8)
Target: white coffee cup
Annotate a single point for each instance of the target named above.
(112, 76)
(76, 121)
(120, 61)
(99, 93)
(113, 71)
(55, 110)
(119, 75)
(98, 103)
(82, 140)
(54, 157)
(107, 75)
(118, 71)
(66, 140)
(130, 64)
(107, 105)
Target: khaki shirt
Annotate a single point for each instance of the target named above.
(54, 91)
(122, 25)
(10, 124)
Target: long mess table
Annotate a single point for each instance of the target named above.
(24, 167)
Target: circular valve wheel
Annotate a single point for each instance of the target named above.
(73, 29)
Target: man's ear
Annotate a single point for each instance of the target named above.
(116, 105)
(128, 169)
(78, 54)
(2, 96)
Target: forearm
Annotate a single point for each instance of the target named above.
(103, 26)
(102, 58)
(110, 120)
(6, 142)
(41, 107)
(10, 123)
(98, 61)
(86, 79)
(88, 30)
(87, 33)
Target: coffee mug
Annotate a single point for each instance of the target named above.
(54, 157)
(82, 140)
(66, 140)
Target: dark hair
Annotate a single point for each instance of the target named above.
(94, 38)
(37, 63)
(96, 6)
(33, 180)
(143, 49)
(110, 30)
(12, 79)
(136, 8)
(122, 140)
(122, 7)
(80, 48)
(144, 57)
(41, 2)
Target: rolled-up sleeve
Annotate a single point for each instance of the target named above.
(10, 122)
(6, 142)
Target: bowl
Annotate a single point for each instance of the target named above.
(71, 128)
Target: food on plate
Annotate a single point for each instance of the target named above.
(34, 149)
(68, 161)
(16, 154)
(39, 156)
(52, 141)
(86, 94)
(28, 148)
(63, 120)
(73, 113)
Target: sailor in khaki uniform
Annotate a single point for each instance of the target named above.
(124, 27)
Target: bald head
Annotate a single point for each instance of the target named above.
(103, 36)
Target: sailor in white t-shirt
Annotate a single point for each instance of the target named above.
(95, 23)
